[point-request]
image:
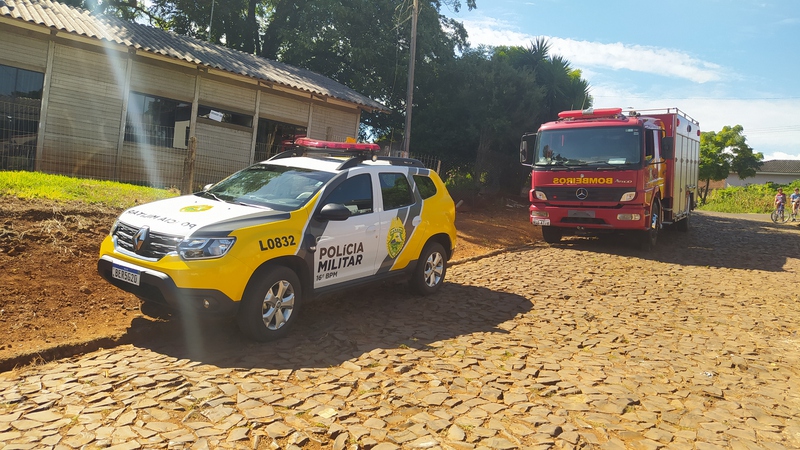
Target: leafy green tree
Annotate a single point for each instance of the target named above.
(724, 153)
(474, 110)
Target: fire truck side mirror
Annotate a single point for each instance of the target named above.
(667, 147)
(526, 149)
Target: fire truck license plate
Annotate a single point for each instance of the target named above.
(125, 274)
(544, 222)
(584, 214)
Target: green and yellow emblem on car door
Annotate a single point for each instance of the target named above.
(396, 237)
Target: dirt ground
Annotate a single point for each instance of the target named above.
(53, 303)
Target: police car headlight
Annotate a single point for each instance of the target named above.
(628, 196)
(205, 248)
(540, 195)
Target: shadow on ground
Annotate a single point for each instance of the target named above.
(338, 328)
(721, 240)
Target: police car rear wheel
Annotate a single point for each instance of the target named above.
(431, 269)
(270, 305)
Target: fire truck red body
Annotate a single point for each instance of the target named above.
(601, 170)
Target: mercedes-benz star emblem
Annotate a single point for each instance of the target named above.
(140, 237)
(582, 193)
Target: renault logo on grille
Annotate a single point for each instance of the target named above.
(582, 193)
(140, 237)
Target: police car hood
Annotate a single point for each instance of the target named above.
(197, 216)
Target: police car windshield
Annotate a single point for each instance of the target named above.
(272, 186)
(595, 146)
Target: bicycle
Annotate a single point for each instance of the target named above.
(779, 215)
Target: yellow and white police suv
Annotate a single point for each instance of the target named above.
(260, 243)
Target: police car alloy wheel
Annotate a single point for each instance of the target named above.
(431, 269)
(270, 305)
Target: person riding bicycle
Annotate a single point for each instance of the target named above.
(780, 200)
(795, 199)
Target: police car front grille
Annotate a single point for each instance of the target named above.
(569, 194)
(156, 246)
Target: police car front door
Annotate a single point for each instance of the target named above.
(346, 249)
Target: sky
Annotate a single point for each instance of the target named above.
(722, 62)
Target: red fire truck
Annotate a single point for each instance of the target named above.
(598, 171)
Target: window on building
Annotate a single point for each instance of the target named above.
(157, 121)
(224, 116)
(20, 106)
(274, 137)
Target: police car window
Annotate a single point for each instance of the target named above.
(355, 193)
(276, 187)
(425, 185)
(395, 190)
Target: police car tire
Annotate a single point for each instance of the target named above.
(430, 270)
(258, 317)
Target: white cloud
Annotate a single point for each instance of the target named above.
(769, 125)
(615, 56)
(658, 78)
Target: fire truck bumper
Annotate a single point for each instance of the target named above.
(631, 217)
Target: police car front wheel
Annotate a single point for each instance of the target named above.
(270, 305)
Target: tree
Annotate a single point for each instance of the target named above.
(724, 153)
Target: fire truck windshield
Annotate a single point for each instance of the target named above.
(589, 146)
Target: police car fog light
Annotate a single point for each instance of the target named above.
(206, 303)
(539, 195)
(629, 216)
(628, 196)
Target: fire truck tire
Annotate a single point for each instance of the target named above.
(650, 236)
(551, 235)
(683, 225)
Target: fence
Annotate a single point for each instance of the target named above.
(147, 155)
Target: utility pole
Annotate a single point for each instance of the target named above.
(410, 89)
(210, 21)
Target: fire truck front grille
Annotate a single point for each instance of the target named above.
(155, 246)
(593, 194)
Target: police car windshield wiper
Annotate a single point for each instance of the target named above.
(212, 195)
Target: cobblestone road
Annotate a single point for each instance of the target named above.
(586, 345)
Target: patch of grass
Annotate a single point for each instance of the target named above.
(34, 185)
(753, 198)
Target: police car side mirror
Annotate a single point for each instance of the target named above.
(333, 211)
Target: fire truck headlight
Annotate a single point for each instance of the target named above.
(628, 196)
(540, 214)
(629, 217)
(539, 195)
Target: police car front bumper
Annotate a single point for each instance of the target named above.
(158, 287)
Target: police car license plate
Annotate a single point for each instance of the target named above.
(544, 222)
(125, 274)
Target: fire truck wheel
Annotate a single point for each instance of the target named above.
(551, 235)
(683, 225)
(650, 236)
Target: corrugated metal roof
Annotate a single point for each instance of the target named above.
(142, 37)
(786, 166)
